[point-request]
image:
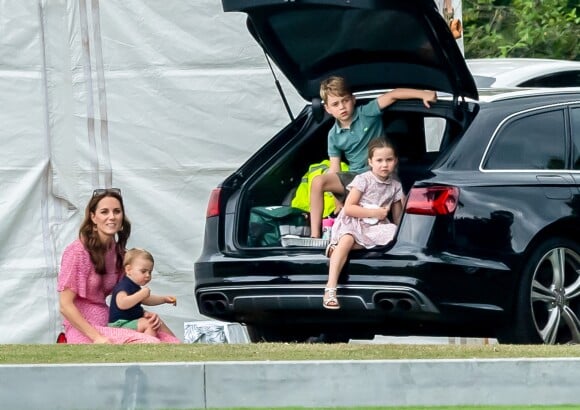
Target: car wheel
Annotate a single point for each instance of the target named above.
(548, 304)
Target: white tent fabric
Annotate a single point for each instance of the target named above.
(160, 99)
(156, 98)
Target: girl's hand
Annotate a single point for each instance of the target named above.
(381, 213)
(146, 290)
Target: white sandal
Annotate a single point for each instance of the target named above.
(330, 302)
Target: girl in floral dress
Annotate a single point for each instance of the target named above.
(363, 223)
(91, 266)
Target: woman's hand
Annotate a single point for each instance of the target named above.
(153, 319)
(101, 340)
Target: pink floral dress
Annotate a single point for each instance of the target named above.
(77, 273)
(375, 193)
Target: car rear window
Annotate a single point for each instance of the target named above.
(530, 142)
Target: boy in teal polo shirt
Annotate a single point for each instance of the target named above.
(350, 135)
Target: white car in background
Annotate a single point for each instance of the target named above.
(524, 72)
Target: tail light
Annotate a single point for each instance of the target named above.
(433, 200)
(213, 205)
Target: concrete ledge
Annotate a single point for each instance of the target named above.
(278, 384)
(108, 386)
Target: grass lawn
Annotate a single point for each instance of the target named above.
(63, 353)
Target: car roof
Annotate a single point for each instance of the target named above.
(542, 96)
(373, 44)
(513, 72)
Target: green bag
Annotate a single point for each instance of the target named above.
(269, 223)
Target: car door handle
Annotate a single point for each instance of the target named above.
(555, 186)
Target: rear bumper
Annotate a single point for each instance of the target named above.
(225, 300)
(375, 291)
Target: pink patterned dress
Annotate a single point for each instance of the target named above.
(77, 273)
(375, 193)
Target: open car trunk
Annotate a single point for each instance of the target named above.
(374, 45)
(420, 135)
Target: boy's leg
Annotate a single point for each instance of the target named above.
(321, 184)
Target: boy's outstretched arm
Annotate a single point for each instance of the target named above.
(390, 97)
(154, 300)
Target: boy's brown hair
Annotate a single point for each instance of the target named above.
(334, 86)
(135, 253)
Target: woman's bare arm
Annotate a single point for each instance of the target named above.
(72, 314)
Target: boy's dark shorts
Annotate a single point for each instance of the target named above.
(345, 179)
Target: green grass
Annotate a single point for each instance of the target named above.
(63, 353)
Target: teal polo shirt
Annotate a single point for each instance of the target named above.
(353, 142)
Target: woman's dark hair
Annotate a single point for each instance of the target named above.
(91, 240)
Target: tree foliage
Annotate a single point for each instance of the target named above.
(522, 28)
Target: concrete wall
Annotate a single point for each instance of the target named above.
(277, 384)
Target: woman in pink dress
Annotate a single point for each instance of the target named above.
(362, 222)
(91, 266)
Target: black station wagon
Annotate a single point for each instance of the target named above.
(489, 242)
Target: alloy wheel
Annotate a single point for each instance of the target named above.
(555, 296)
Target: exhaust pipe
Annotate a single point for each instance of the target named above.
(220, 306)
(395, 303)
(386, 304)
(214, 303)
(406, 305)
(208, 306)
